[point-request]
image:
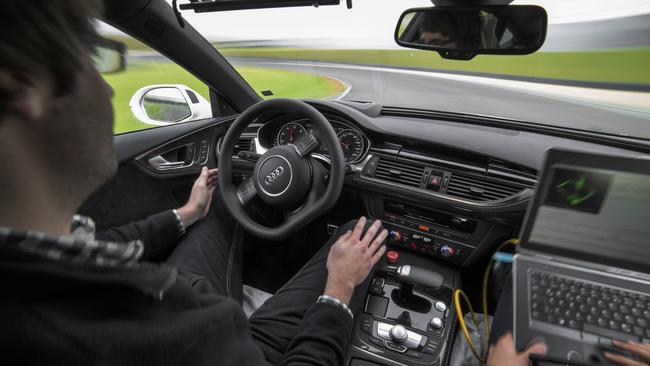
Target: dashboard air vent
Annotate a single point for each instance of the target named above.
(399, 171)
(479, 189)
(243, 144)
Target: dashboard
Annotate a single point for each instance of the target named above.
(354, 143)
(445, 188)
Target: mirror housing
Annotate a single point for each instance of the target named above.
(166, 104)
(462, 32)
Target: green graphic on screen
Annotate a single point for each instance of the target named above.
(578, 190)
(575, 191)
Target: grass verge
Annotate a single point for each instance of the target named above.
(626, 66)
(615, 66)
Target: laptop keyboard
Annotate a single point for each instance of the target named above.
(588, 307)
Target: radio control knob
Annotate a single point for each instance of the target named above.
(395, 235)
(447, 251)
(398, 334)
(436, 323)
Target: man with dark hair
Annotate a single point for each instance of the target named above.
(72, 296)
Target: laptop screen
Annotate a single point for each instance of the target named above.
(593, 208)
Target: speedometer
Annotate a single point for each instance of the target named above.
(289, 133)
(352, 144)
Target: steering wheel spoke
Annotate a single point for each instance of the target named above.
(246, 191)
(306, 144)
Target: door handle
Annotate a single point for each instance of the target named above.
(159, 163)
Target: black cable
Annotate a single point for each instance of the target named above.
(179, 17)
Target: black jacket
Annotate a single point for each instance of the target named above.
(55, 313)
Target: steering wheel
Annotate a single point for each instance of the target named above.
(285, 177)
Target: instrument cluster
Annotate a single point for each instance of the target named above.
(354, 143)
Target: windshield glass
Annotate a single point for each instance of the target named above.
(591, 74)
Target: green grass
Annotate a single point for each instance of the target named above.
(620, 66)
(615, 66)
(139, 74)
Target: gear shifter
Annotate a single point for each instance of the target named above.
(418, 276)
(409, 276)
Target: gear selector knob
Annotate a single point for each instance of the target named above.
(398, 334)
(419, 276)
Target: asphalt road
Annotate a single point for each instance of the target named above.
(398, 88)
(624, 32)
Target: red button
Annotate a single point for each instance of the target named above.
(392, 257)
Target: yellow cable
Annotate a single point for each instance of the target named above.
(461, 320)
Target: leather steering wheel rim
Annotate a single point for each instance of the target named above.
(309, 211)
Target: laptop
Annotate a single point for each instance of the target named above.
(581, 274)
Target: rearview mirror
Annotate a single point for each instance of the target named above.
(462, 32)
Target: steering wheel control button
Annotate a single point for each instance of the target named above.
(440, 306)
(392, 257)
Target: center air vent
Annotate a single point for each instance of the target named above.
(399, 171)
(243, 144)
(479, 189)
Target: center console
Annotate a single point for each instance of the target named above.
(407, 316)
(436, 233)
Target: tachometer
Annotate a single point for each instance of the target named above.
(289, 133)
(352, 144)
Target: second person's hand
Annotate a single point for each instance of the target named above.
(639, 350)
(352, 257)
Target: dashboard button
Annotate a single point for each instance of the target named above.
(392, 257)
(436, 323)
(414, 354)
(376, 341)
(440, 306)
(447, 251)
(395, 235)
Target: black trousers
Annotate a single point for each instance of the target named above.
(210, 255)
(502, 323)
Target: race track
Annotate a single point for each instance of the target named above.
(428, 90)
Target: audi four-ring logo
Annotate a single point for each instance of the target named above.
(273, 175)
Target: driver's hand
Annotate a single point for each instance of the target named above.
(198, 204)
(504, 352)
(640, 350)
(352, 257)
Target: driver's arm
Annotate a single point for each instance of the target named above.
(160, 232)
(326, 329)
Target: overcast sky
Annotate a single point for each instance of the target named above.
(370, 22)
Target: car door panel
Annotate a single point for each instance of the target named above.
(140, 189)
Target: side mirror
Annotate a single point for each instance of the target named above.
(462, 32)
(165, 104)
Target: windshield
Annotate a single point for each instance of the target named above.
(591, 74)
